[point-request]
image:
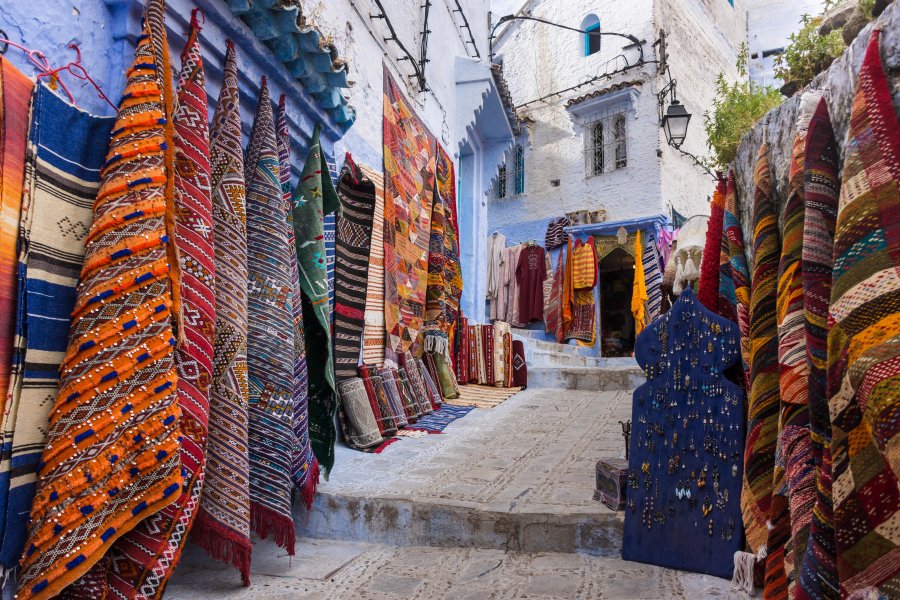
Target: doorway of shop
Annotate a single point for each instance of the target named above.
(616, 320)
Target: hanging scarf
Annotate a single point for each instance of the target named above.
(314, 198)
(708, 292)
(66, 148)
(352, 244)
(409, 166)
(222, 527)
(818, 575)
(149, 552)
(653, 278)
(759, 455)
(864, 340)
(304, 466)
(639, 288)
(740, 274)
(568, 291)
(373, 331)
(112, 457)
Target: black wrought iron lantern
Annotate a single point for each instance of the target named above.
(675, 123)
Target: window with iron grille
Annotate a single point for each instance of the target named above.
(519, 169)
(605, 144)
(501, 181)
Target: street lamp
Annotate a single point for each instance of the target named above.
(675, 123)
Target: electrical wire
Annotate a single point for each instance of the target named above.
(506, 19)
(420, 76)
(469, 29)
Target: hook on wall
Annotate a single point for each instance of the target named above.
(4, 44)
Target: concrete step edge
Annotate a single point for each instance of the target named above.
(408, 522)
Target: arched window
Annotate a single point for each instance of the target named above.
(591, 23)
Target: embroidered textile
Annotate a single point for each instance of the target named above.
(415, 383)
(762, 429)
(789, 321)
(496, 284)
(474, 353)
(357, 420)
(461, 362)
(639, 288)
(374, 329)
(556, 234)
(584, 265)
(410, 404)
(727, 300)
(444, 270)
(708, 292)
(381, 409)
(500, 360)
(519, 366)
(66, 148)
(304, 466)
(439, 419)
(15, 96)
(147, 555)
(864, 340)
(653, 278)
(409, 166)
(354, 238)
(270, 335)
(582, 325)
(818, 574)
(740, 273)
(314, 198)
(116, 418)
(509, 275)
(391, 388)
(553, 319)
(222, 527)
(429, 376)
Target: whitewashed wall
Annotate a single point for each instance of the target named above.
(769, 23)
(539, 59)
(703, 38)
(360, 39)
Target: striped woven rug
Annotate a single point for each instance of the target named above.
(483, 396)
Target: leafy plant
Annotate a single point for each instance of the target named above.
(735, 109)
(809, 52)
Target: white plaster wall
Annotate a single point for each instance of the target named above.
(769, 23)
(360, 40)
(703, 39)
(539, 59)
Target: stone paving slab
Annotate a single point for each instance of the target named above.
(334, 570)
(519, 477)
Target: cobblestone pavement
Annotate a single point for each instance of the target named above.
(534, 455)
(536, 452)
(334, 570)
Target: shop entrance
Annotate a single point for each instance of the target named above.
(616, 320)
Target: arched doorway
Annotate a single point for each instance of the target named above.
(616, 320)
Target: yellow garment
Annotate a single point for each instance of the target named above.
(639, 289)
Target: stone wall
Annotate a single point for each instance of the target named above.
(779, 126)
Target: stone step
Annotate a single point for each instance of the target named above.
(517, 477)
(598, 378)
(408, 522)
(549, 358)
